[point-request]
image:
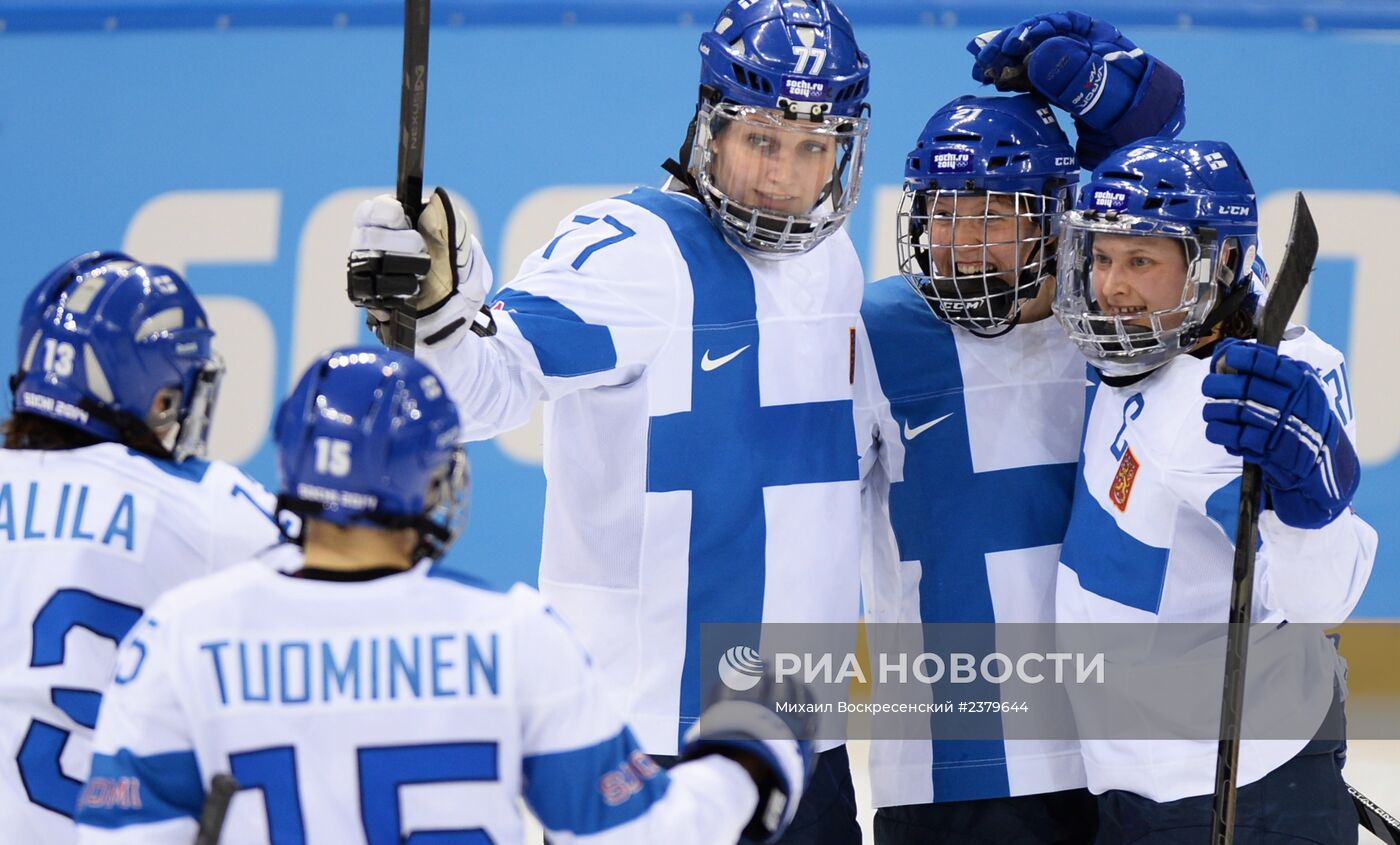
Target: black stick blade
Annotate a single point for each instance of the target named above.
(1299, 255)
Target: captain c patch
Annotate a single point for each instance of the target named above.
(1122, 486)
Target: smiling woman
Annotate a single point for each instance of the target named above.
(1134, 276)
(1158, 254)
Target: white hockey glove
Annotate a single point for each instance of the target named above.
(775, 747)
(393, 267)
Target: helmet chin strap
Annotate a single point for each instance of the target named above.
(1227, 307)
(1027, 280)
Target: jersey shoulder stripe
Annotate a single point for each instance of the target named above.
(564, 344)
(915, 353)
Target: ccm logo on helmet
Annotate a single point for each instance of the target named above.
(1233, 210)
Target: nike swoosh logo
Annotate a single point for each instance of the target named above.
(911, 433)
(707, 363)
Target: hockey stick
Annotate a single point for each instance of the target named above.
(413, 115)
(385, 282)
(1383, 825)
(1288, 284)
(211, 818)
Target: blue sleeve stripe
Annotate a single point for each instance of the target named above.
(1223, 507)
(593, 789)
(565, 345)
(126, 789)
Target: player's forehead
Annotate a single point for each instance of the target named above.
(1157, 245)
(757, 118)
(968, 203)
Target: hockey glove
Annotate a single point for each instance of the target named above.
(1274, 411)
(392, 266)
(775, 747)
(1115, 92)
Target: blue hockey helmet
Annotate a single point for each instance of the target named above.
(369, 437)
(983, 190)
(120, 350)
(1193, 193)
(797, 56)
(787, 78)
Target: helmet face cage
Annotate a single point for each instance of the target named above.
(778, 185)
(446, 502)
(976, 256)
(1127, 345)
(191, 433)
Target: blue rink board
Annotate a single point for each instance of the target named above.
(71, 15)
(95, 124)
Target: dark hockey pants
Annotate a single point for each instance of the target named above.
(1056, 818)
(1302, 801)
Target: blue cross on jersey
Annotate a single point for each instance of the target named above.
(729, 446)
(949, 517)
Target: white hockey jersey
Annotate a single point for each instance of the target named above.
(1151, 539)
(366, 711)
(699, 439)
(968, 460)
(88, 538)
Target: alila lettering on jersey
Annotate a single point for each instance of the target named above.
(391, 667)
(41, 512)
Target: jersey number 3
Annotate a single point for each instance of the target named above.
(38, 757)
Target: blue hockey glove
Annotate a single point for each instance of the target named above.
(774, 746)
(1116, 93)
(1274, 411)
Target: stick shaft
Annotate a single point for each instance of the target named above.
(1298, 257)
(413, 114)
(1385, 826)
(413, 106)
(211, 817)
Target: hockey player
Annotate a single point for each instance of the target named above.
(694, 348)
(360, 694)
(104, 504)
(968, 468)
(1154, 290)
